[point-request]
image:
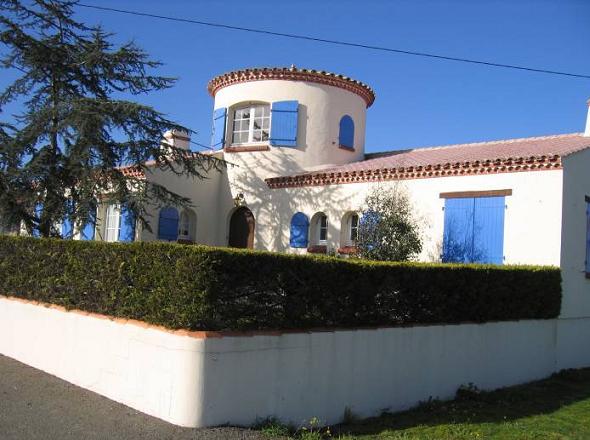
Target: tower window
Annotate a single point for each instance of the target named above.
(251, 124)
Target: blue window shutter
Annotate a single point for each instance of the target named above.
(67, 229)
(458, 230)
(346, 136)
(299, 230)
(488, 230)
(38, 213)
(587, 237)
(283, 123)
(88, 230)
(168, 224)
(127, 225)
(218, 135)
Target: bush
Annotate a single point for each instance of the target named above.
(197, 287)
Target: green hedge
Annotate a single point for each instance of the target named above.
(196, 287)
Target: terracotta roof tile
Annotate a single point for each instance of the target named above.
(503, 156)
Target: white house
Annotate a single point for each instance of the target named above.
(294, 140)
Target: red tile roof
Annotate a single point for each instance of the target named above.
(292, 74)
(513, 155)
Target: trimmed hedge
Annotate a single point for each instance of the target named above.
(203, 288)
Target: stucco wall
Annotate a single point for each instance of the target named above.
(576, 187)
(201, 379)
(320, 109)
(532, 227)
(156, 372)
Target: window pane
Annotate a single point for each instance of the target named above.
(266, 123)
(257, 136)
(257, 124)
(264, 135)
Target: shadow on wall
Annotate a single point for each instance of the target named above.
(473, 407)
(274, 208)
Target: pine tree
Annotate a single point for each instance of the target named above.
(65, 149)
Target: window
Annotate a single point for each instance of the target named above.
(353, 228)
(113, 222)
(474, 230)
(346, 136)
(187, 225)
(322, 229)
(251, 124)
(587, 237)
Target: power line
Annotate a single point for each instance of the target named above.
(335, 42)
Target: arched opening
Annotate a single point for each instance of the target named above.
(349, 229)
(187, 226)
(241, 229)
(346, 136)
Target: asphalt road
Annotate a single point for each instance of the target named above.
(35, 405)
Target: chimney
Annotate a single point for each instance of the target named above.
(587, 132)
(178, 139)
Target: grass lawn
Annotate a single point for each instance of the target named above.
(555, 408)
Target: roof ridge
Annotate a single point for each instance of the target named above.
(475, 144)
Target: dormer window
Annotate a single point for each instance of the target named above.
(251, 124)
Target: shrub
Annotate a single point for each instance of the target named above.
(197, 287)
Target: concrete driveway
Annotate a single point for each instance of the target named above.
(36, 405)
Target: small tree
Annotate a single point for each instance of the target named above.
(388, 229)
(67, 147)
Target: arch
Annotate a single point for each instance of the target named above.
(168, 224)
(319, 229)
(187, 225)
(241, 229)
(349, 229)
(346, 134)
(299, 231)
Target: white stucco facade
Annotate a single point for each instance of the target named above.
(533, 226)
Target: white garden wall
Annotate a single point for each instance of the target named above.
(205, 379)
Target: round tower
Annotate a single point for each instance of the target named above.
(288, 120)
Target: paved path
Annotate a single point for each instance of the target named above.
(35, 405)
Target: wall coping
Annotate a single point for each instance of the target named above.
(206, 334)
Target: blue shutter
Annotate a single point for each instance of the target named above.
(127, 225)
(67, 228)
(458, 230)
(488, 230)
(587, 237)
(218, 135)
(299, 230)
(168, 224)
(89, 228)
(38, 213)
(346, 136)
(283, 123)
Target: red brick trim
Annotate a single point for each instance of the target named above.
(475, 168)
(246, 148)
(292, 74)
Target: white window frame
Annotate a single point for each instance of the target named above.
(184, 224)
(352, 240)
(252, 109)
(113, 222)
(321, 228)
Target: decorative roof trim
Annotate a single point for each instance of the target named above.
(292, 74)
(497, 166)
(133, 171)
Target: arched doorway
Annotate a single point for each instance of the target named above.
(241, 229)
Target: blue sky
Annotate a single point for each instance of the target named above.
(420, 101)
